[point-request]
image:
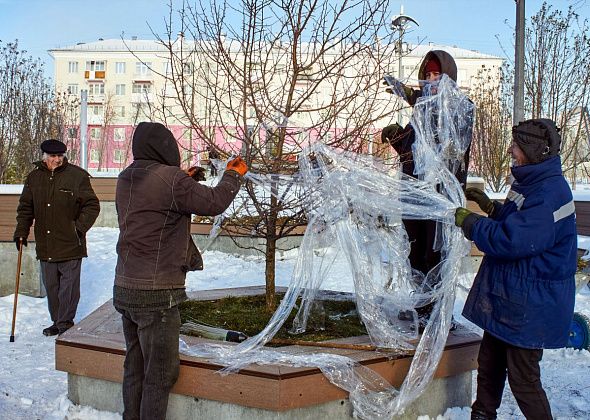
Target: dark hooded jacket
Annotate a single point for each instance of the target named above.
(422, 233)
(155, 200)
(63, 206)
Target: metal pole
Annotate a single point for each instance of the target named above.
(518, 112)
(400, 68)
(84, 129)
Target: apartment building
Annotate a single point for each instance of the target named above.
(125, 79)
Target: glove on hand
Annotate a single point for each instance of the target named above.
(237, 165)
(391, 132)
(460, 215)
(17, 242)
(197, 173)
(396, 87)
(482, 200)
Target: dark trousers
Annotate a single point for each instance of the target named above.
(498, 360)
(151, 362)
(62, 284)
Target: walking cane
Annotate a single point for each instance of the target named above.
(20, 254)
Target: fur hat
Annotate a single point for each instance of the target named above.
(539, 139)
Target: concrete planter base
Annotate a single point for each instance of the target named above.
(442, 393)
(30, 279)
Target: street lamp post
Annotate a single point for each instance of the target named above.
(400, 23)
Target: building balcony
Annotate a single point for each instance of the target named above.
(95, 119)
(142, 77)
(142, 98)
(96, 99)
(94, 74)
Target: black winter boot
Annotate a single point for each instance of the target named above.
(480, 415)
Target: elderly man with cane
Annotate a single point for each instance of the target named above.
(58, 197)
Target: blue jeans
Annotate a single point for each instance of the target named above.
(151, 362)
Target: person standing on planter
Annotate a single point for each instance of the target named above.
(58, 197)
(422, 233)
(155, 200)
(523, 293)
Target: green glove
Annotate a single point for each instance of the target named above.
(482, 200)
(460, 215)
(390, 133)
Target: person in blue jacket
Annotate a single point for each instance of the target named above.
(523, 293)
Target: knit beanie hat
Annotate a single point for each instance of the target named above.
(538, 139)
(433, 65)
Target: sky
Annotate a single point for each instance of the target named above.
(40, 25)
(31, 388)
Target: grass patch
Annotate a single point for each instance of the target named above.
(328, 320)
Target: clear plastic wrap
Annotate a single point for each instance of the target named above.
(356, 206)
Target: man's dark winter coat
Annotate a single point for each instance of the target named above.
(155, 200)
(63, 206)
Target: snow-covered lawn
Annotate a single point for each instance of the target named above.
(30, 387)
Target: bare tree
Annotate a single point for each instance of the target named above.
(266, 78)
(29, 112)
(491, 131)
(556, 79)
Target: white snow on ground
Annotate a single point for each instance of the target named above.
(31, 388)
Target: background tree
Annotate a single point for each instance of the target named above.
(30, 112)
(250, 73)
(557, 56)
(557, 78)
(492, 132)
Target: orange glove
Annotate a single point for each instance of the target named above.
(237, 165)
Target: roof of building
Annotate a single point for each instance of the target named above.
(147, 45)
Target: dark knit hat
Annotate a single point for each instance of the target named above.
(539, 139)
(433, 65)
(53, 147)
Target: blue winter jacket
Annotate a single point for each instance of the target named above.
(524, 290)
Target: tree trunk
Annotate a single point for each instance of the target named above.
(271, 248)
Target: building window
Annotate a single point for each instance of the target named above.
(73, 89)
(95, 156)
(72, 132)
(95, 110)
(119, 156)
(95, 65)
(120, 67)
(96, 88)
(120, 89)
(142, 87)
(120, 111)
(95, 133)
(72, 67)
(119, 134)
(186, 157)
(143, 69)
(231, 135)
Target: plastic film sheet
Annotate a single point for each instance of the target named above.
(356, 205)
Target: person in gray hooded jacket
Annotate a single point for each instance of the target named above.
(155, 200)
